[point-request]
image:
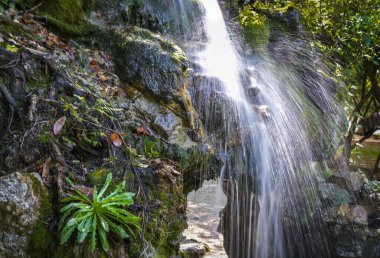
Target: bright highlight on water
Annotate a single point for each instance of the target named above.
(270, 176)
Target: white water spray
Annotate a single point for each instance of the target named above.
(269, 178)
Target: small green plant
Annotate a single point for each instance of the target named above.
(99, 216)
(373, 186)
(150, 152)
(3, 5)
(250, 19)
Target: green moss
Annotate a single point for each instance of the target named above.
(67, 16)
(98, 177)
(42, 81)
(41, 237)
(69, 11)
(17, 30)
(45, 137)
(12, 48)
(69, 29)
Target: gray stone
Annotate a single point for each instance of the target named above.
(352, 181)
(19, 213)
(346, 214)
(334, 194)
(193, 249)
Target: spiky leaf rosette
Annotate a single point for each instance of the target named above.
(98, 217)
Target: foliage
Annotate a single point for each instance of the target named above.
(150, 152)
(250, 19)
(83, 115)
(373, 186)
(98, 217)
(3, 5)
(348, 33)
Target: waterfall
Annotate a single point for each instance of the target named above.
(262, 115)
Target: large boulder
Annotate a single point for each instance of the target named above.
(156, 67)
(21, 208)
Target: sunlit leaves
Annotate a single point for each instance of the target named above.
(97, 217)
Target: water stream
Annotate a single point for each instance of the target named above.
(263, 121)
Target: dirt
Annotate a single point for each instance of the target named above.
(203, 208)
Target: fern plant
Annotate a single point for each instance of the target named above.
(96, 218)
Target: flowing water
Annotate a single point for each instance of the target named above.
(268, 117)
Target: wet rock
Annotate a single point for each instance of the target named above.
(165, 123)
(346, 214)
(350, 233)
(262, 110)
(193, 249)
(167, 16)
(253, 91)
(211, 102)
(19, 212)
(156, 67)
(352, 181)
(334, 194)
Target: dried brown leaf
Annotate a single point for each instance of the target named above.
(59, 125)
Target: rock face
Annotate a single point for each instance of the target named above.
(350, 232)
(173, 17)
(20, 203)
(211, 103)
(157, 68)
(165, 123)
(165, 207)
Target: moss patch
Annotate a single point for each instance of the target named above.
(69, 11)
(41, 238)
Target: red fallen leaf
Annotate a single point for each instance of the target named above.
(117, 139)
(142, 130)
(45, 171)
(93, 63)
(59, 125)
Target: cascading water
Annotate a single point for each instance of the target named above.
(270, 181)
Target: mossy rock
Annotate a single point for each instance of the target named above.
(68, 11)
(41, 238)
(25, 210)
(67, 17)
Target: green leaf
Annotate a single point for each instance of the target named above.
(85, 224)
(118, 230)
(106, 184)
(103, 223)
(66, 233)
(103, 239)
(93, 235)
(82, 236)
(118, 189)
(72, 222)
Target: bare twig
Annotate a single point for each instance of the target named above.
(141, 186)
(32, 107)
(60, 169)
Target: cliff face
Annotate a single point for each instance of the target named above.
(110, 72)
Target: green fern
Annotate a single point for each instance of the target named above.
(98, 217)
